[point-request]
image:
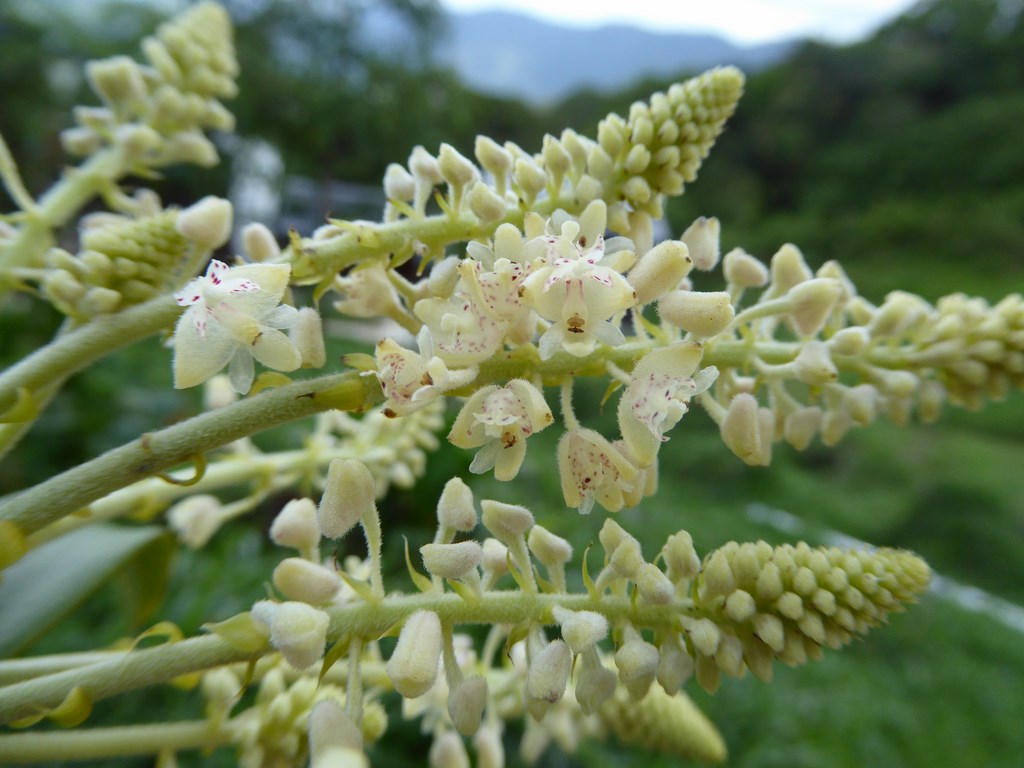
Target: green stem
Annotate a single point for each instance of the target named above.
(156, 452)
(101, 743)
(63, 200)
(128, 672)
(73, 351)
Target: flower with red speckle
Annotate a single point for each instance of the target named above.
(592, 469)
(498, 420)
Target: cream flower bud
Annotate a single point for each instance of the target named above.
(788, 268)
(466, 703)
(489, 750)
(399, 184)
(612, 534)
(681, 558)
(485, 203)
(448, 751)
(550, 549)
(413, 664)
(702, 313)
(455, 508)
(596, 684)
(296, 526)
(195, 519)
(743, 270)
(297, 630)
(675, 665)
(556, 159)
(813, 364)
(455, 168)
(508, 522)
(117, 80)
(660, 270)
(599, 162)
(702, 238)
(444, 276)
(547, 676)
(740, 606)
(581, 629)
(637, 661)
(854, 340)
(748, 430)
(811, 303)
(308, 337)
(530, 177)
(495, 560)
(307, 582)
(801, 426)
(330, 727)
(424, 166)
(705, 636)
(654, 585)
(451, 561)
(492, 156)
(627, 559)
(207, 222)
(80, 141)
(348, 495)
(259, 242)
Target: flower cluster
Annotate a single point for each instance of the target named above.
(739, 608)
(156, 114)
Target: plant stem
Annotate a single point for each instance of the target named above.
(156, 452)
(100, 743)
(127, 672)
(73, 351)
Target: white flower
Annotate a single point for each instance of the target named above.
(411, 380)
(578, 289)
(498, 420)
(656, 398)
(592, 469)
(234, 315)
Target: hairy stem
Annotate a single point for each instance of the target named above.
(99, 743)
(156, 452)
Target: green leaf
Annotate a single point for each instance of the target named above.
(51, 581)
(423, 584)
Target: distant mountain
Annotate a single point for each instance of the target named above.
(509, 54)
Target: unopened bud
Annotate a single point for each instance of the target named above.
(547, 676)
(655, 586)
(704, 314)
(495, 560)
(299, 579)
(207, 222)
(637, 661)
(296, 526)
(530, 177)
(413, 664)
(611, 535)
(489, 750)
(813, 364)
(348, 495)
(660, 270)
(466, 703)
(743, 270)
(702, 238)
(308, 337)
(748, 430)
(675, 665)
(811, 303)
(627, 559)
(448, 751)
(424, 166)
(330, 726)
(550, 549)
(297, 630)
(801, 426)
(486, 204)
(581, 629)
(595, 685)
(117, 80)
(455, 168)
(259, 242)
(788, 268)
(740, 606)
(508, 522)
(681, 559)
(492, 156)
(705, 636)
(850, 341)
(638, 159)
(451, 561)
(717, 576)
(399, 184)
(556, 159)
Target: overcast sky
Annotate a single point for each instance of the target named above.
(741, 21)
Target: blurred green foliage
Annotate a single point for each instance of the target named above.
(899, 156)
